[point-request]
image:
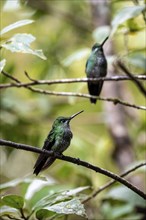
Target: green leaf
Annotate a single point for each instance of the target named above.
(125, 14)
(42, 214)
(73, 206)
(6, 210)
(13, 201)
(39, 199)
(75, 191)
(38, 186)
(15, 25)
(2, 64)
(21, 43)
(14, 183)
(122, 210)
(116, 210)
(118, 193)
(58, 197)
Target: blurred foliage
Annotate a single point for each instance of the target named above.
(116, 205)
(64, 32)
(42, 199)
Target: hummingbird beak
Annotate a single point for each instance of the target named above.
(104, 41)
(74, 115)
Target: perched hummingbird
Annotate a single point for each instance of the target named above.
(58, 140)
(96, 66)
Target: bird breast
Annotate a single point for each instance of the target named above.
(101, 61)
(64, 140)
(67, 136)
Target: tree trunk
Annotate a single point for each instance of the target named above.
(123, 154)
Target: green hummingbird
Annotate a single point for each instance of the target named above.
(96, 66)
(58, 140)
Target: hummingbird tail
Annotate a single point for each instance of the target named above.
(49, 162)
(95, 90)
(43, 165)
(93, 100)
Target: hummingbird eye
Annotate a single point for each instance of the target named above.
(94, 47)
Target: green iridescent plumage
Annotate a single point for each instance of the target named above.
(96, 66)
(58, 140)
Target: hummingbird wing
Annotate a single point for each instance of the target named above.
(43, 159)
(90, 64)
(94, 71)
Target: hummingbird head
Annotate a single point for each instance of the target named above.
(99, 47)
(64, 121)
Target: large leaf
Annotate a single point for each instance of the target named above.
(43, 214)
(118, 206)
(125, 14)
(2, 64)
(6, 210)
(118, 193)
(21, 43)
(15, 25)
(73, 206)
(75, 191)
(43, 196)
(59, 197)
(36, 186)
(14, 183)
(116, 210)
(13, 201)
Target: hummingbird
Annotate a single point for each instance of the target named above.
(58, 140)
(96, 66)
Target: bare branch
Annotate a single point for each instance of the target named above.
(11, 77)
(74, 161)
(49, 82)
(110, 183)
(138, 84)
(114, 100)
(60, 81)
(27, 75)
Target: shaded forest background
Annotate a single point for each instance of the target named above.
(106, 135)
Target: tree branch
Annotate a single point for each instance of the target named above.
(75, 161)
(10, 76)
(49, 82)
(114, 100)
(110, 183)
(47, 92)
(63, 81)
(135, 80)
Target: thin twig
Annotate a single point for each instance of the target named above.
(11, 77)
(138, 84)
(75, 161)
(60, 81)
(47, 92)
(31, 79)
(102, 188)
(114, 100)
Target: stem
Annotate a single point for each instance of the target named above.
(110, 183)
